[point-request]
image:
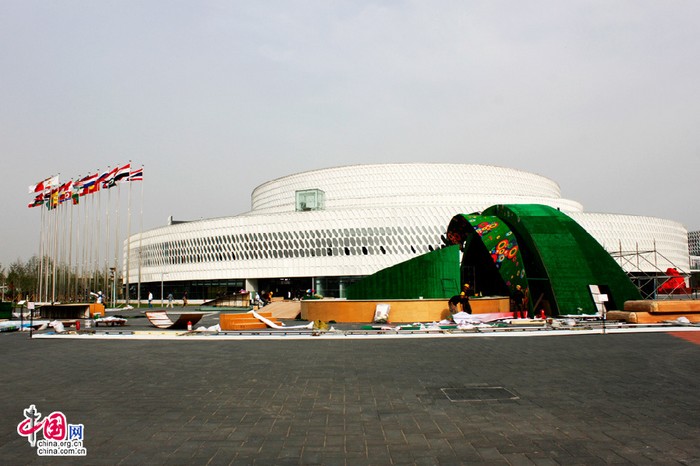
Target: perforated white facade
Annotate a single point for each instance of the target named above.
(694, 247)
(373, 216)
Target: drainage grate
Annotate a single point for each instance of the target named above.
(478, 394)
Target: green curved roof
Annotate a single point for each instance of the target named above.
(563, 259)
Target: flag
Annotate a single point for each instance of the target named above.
(38, 200)
(75, 195)
(123, 172)
(37, 188)
(48, 183)
(87, 183)
(52, 200)
(64, 192)
(106, 179)
(136, 175)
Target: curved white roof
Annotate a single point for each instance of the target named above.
(409, 184)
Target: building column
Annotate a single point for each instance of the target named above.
(251, 284)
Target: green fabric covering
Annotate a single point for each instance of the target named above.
(498, 241)
(434, 275)
(562, 260)
(6, 310)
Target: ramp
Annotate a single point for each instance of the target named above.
(284, 309)
(161, 319)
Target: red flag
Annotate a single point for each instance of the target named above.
(136, 175)
(64, 192)
(50, 182)
(123, 172)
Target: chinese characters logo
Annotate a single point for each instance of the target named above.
(59, 437)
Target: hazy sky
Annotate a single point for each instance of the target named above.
(217, 97)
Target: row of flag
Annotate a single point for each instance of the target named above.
(51, 192)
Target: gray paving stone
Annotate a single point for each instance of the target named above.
(617, 399)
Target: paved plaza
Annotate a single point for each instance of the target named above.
(582, 399)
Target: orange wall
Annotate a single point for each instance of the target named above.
(401, 311)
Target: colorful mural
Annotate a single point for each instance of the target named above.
(501, 244)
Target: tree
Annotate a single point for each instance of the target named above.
(21, 278)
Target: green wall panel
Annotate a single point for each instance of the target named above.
(434, 275)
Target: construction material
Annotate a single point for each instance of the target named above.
(651, 311)
(245, 321)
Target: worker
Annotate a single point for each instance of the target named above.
(519, 301)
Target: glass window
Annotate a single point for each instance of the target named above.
(310, 199)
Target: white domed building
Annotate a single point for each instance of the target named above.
(325, 229)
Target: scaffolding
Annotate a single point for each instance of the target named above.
(643, 269)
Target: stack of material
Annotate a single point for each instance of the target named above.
(244, 321)
(648, 311)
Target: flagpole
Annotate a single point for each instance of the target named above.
(41, 254)
(116, 246)
(90, 252)
(140, 237)
(55, 251)
(82, 216)
(44, 296)
(47, 252)
(60, 235)
(96, 246)
(105, 278)
(86, 247)
(62, 252)
(75, 237)
(44, 253)
(128, 240)
(70, 245)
